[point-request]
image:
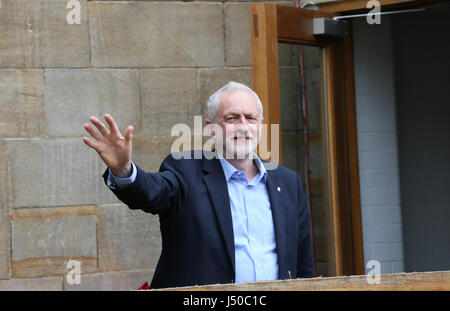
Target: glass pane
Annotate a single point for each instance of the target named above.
(304, 139)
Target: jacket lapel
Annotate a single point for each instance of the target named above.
(216, 184)
(274, 188)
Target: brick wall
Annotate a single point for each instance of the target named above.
(377, 143)
(149, 64)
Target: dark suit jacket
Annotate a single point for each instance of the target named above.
(191, 198)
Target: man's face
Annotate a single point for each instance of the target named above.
(238, 116)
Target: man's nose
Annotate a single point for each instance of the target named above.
(243, 121)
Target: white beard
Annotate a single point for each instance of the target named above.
(240, 148)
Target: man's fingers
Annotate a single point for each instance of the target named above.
(93, 132)
(112, 124)
(99, 125)
(90, 143)
(128, 133)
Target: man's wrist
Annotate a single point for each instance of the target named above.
(115, 182)
(123, 172)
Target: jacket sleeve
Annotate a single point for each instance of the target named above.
(305, 258)
(154, 192)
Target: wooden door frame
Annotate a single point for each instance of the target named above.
(270, 24)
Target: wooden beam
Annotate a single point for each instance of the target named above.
(360, 5)
(332, 81)
(263, 18)
(417, 281)
(353, 160)
(296, 25)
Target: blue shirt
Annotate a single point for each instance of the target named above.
(254, 235)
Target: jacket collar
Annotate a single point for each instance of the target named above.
(229, 169)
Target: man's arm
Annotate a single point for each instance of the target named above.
(154, 193)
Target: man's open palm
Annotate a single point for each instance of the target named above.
(113, 148)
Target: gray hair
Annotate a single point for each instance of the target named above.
(230, 87)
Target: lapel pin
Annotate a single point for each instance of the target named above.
(279, 189)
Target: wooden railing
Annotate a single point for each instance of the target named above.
(417, 281)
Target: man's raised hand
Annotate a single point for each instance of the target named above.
(112, 147)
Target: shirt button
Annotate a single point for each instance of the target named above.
(259, 265)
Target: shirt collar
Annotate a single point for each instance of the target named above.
(229, 169)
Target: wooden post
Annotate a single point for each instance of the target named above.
(265, 66)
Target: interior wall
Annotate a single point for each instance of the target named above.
(422, 67)
(377, 144)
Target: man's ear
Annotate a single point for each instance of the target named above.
(209, 128)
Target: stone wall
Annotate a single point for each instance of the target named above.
(149, 64)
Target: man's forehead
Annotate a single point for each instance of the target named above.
(241, 100)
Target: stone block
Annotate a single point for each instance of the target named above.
(113, 281)
(56, 172)
(168, 97)
(21, 102)
(156, 34)
(238, 48)
(72, 96)
(149, 152)
(210, 80)
(45, 239)
(33, 284)
(127, 239)
(5, 240)
(37, 34)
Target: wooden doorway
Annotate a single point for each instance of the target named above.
(272, 27)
